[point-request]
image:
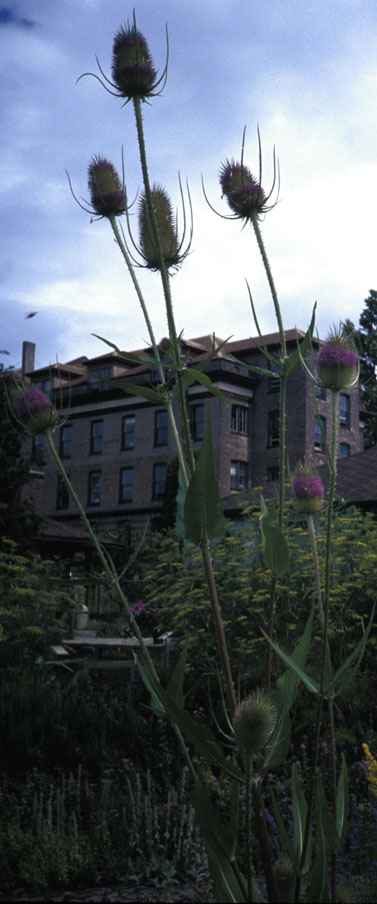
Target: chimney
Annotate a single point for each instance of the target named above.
(28, 358)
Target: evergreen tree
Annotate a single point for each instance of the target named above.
(365, 339)
(18, 520)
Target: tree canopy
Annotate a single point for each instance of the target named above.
(365, 339)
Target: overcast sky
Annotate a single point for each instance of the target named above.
(305, 71)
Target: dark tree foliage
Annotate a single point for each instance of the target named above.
(365, 339)
(18, 520)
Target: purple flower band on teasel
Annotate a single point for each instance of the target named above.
(308, 486)
(30, 402)
(335, 355)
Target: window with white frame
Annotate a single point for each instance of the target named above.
(238, 474)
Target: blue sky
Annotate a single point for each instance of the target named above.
(305, 72)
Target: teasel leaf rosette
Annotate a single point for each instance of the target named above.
(254, 722)
(337, 362)
(34, 411)
(107, 194)
(308, 489)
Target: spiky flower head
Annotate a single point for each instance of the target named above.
(167, 228)
(242, 190)
(254, 722)
(132, 66)
(106, 192)
(34, 411)
(337, 363)
(284, 873)
(307, 488)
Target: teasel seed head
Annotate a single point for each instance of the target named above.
(337, 362)
(106, 192)
(132, 66)
(167, 228)
(242, 190)
(254, 722)
(308, 488)
(34, 411)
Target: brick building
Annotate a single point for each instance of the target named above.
(116, 446)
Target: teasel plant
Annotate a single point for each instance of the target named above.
(259, 726)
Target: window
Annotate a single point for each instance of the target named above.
(96, 437)
(273, 437)
(45, 386)
(97, 379)
(126, 485)
(196, 422)
(128, 431)
(94, 488)
(238, 475)
(161, 428)
(344, 450)
(66, 441)
(159, 478)
(62, 495)
(344, 410)
(38, 449)
(240, 419)
(273, 473)
(320, 392)
(319, 429)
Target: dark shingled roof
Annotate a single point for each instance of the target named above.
(356, 477)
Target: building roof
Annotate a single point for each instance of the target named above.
(356, 477)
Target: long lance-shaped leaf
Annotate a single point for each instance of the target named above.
(146, 392)
(220, 839)
(225, 885)
(275, 546)
(299, 809)
(294, 359)
(137, 358)
(281, 826)
(285, 691)
(309, 682)
(328, 821)
(318, 892)
(342, 800)
(203, 514)
(198, 735)
(192, 375)
(351, 664)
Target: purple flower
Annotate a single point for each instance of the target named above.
(332, 355)
(242, 190)
(106, 192)
(337, 362)
(132, 68)
(34, 410)
(307, 488)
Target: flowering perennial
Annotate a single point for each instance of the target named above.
(337, 361)
(106, 192)
(34, 410)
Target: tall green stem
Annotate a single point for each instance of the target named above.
(317, 575)
(271, 283)
(325, 630)
(113, 582)
(167, 400)
(333, 471)
(207, 563)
